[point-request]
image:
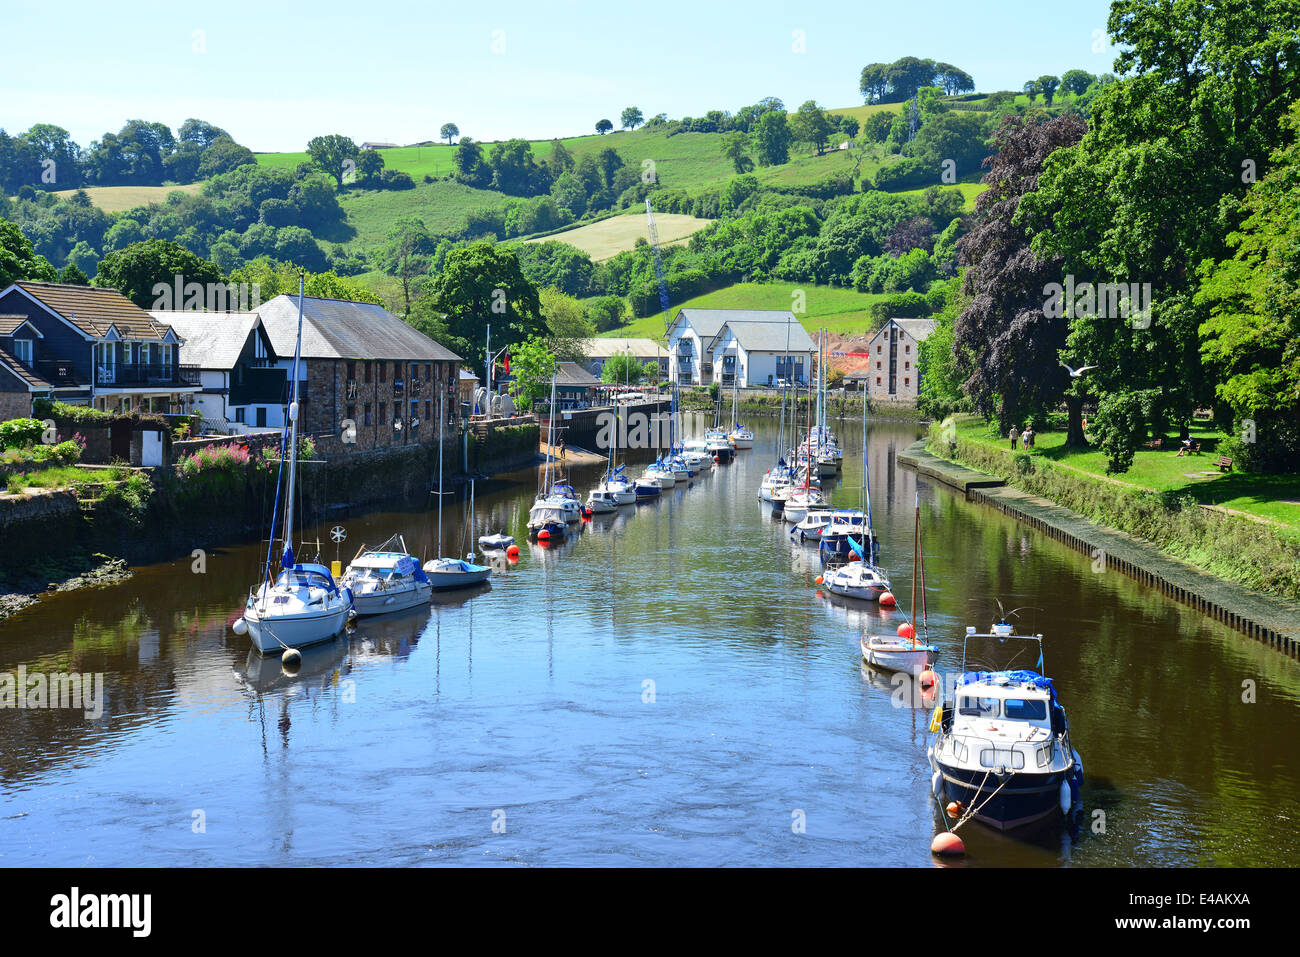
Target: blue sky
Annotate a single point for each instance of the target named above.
(396, 71)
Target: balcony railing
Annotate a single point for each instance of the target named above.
(146, 374)
(57, 372)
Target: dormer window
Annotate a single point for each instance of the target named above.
(23, 350)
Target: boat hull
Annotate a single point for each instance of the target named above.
(384, 602)
(446, 581)
(273, 634)
(893, 654)
(1026, 799)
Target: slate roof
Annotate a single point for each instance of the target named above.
(572, 374)
(918, 329)
(8, 325)
(213, 340)
(339, 329)
(781, 332)
(34, 382)
(602, 348)
(93, 310)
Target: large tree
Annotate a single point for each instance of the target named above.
(771, 139)
(1005, 338)
(137, 269)
(330, 153)
(811, 124)
(449, 132)
(18, 260)
(405, 254)
(632, 118)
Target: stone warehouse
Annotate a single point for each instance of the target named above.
(893, 373)
(369, 380)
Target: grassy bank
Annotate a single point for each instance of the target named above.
(1260, 554)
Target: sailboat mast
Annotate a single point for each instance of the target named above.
(293, 423)
(440, 421)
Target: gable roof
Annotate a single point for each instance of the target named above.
(34, 383)
(11, 324)
(918, 329)
(213, 340)
(768, 335)
(571, 373)
(605, 348)
(94, 310)
(340, 329)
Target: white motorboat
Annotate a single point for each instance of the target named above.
(385, 579)
(548, 519)
(860, 580)
(1003, 750)
(718, 445)
(897, 653)
(600, 501)
(812, 525)
(742, 438)
(303, 605)
(495, 543)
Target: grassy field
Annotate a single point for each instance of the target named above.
(968, 191)
(842, 311)
(114, 199)
(1274, 497)
(442, 205)
(609, 237)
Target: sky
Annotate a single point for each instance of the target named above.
(394, 71)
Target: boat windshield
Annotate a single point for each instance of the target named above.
(301, 578)
(1025, 709)
(979, 707)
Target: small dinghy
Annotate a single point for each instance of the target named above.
(495, 543)
(905, 652)
(447, 573)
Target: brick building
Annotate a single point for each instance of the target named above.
(363, 365)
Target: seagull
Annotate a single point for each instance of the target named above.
(1075, 373)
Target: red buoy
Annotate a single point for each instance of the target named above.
(905, 630)
(888, 600)
(928, 678)
(820, 579)
(543, 535)
(512, 551)
(947, 844)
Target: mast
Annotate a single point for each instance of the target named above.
(440, 399)
(293, 429)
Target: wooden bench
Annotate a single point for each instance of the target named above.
(1224, 463)
(1155, 443)
(1193, 449)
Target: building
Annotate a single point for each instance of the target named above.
(90, 346)
(893, 374)
(19, 383)
(756, 347)
(574, 386)
(368, 380)
(600, 351)
(242, 386)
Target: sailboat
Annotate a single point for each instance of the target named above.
(302, 605)
(863, 578)
(448, 573)
(548, 519)
(741, 437)
(615, 488)
(904, 651)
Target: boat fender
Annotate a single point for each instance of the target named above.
(936, 784)
(935, 719)
(347, 595)
(240, 627)
(1066, 798)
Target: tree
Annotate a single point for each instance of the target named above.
(18, 260)
(1031, 89)
(771, 139)
(406, 253)
(848, 125)
(370, 167)
(223, 156)
(632, 118)
(907, 75)
(874, 83)
(200, 133)
(735, 146)
(449, 132)
(603, 126)
(1076, 82)
(331, 152)
(877, 128)
(952, 79)
(471, 170)
(482, 283)
(1008, 342)
(137, 269)
(812, 125)
(72, 276)
(622, 368)
(568, 325)
(561, 160)
(532, 366)
(54, 144)
(1047, 85)
(515, 171)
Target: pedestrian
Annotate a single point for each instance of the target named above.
(561, 450)
(1014, 435)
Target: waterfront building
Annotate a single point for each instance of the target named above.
(747, 347)
(893, 373)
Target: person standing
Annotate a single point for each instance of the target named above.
(1014, 435)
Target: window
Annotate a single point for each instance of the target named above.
(383, 373)
(907, 380)
(980, 707)
(367, 372)
(23, 350)
(877, 380)
(397, 413)
(239, 414)
(352, 370)
(877, 363)
(907, 349)
(415, 371)
(428, 409)
(1025, 709)
(428, 371)
(879, 349)
(907, 365)
(383, 414)
(415, 413)
(366, 409)
(352, 413)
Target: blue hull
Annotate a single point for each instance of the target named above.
(1026, 799)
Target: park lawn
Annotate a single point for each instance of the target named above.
(844, 311)
(1275, 497)
(115, 199)
(609, 237)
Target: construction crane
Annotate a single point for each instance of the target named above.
(659, 265)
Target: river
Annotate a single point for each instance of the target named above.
(668, 688)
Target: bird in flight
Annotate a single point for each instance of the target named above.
(1075, 373)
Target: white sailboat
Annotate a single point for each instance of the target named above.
(905, 651)
(447, 573)
(301, 605)
(548, 519)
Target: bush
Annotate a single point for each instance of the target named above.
(20, 433)
(215, 458)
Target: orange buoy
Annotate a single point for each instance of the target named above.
(543, 535)
(928, 678)
(512, 551)
(954, 808)
(888, 599)
(947, 844)
(905, 630)
(820, 579)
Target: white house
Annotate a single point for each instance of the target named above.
(759, 347)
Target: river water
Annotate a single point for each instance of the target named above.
(668, 688)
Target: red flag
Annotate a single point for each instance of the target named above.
(507, 363)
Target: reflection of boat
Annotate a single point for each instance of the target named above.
(303, 605)
(386, 579)
(266, 673)
(1003, 750)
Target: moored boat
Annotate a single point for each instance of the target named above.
(385, 579)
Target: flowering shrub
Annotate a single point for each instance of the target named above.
(215, 458)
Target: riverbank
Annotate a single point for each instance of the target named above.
(69, 573)
(1273, 620)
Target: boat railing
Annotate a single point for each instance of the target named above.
(1034, 755)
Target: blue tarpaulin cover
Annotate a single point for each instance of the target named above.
(1020, 677)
